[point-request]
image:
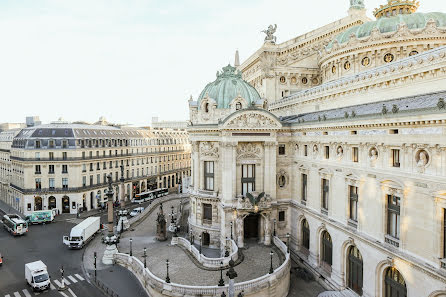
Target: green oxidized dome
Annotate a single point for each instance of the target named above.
(228, 86)
(390, 24)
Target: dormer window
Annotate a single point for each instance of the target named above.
(238, 106)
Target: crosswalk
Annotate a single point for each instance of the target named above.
(55, 284)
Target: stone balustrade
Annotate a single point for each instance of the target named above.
(205, 261)
(278, 281)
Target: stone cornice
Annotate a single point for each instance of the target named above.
(409, 67)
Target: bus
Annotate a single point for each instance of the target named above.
(15, 224)
(149, 195)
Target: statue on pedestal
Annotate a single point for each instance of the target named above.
(161, 233)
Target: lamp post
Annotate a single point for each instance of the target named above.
(131, 240)
(231, 230)
(221, 282)
(167, 275)
(122, 212)
(271, 270)
(227, 248)
(231, 274)
(145, 257)
(95, 257)
(288, 243)
(274, 232)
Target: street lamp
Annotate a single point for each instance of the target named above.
(95, 257)
(288, 243)
(274, 232)
(131, 240)
(145, 257)
(231, 230)
(226, 248)
(167, 275)
(221, 282)
(271, 270)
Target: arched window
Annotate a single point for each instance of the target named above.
(238, 106)
(355, 271)
(305, 234)
(395, 286)
(327, 248)
(206, 107)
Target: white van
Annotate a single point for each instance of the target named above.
(36, 276)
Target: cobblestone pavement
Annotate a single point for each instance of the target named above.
(302, 288)
(181, 269)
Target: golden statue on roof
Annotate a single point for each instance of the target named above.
(395, 7)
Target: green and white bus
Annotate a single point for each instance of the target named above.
(15, 224)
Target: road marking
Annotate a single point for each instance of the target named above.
(8, 295)
(72, 279)
(72, 293)
(16, 294)
(52, 286)
(63, 294)
(67, 283)
(27, 294)
(79, 277)
(58, 283)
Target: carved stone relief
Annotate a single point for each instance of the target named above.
(249, 150)
(209, 149)
(252, 120)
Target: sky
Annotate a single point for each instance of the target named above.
(131, 60)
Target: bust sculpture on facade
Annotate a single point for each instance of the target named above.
(339, 152)
(422, 160)
(357, 4)
(269, 33)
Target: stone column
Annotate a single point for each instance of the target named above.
(267, 219)
(239, 229)
(228, 172)
(270, 168)
(196, 165)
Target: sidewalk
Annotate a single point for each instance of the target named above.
(6, 208)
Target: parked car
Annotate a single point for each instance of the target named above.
(136, 211)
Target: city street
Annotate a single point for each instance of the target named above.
(44, 242)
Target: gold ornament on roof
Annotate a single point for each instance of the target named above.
(395, 7)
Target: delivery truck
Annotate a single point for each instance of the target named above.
(40, 217)
(82, 233)
(36, 275)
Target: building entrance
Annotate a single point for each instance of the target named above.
(38, 203)
(206, 239)
(251, 226)
(65, 204)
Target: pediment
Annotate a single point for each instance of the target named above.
(251, 119)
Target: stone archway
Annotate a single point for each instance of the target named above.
(38, 203)
(52, 202)
(91, 200)
(251, 226)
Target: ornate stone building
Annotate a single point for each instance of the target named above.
(339, 135)
(64, 166)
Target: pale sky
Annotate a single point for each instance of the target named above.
(129, 60)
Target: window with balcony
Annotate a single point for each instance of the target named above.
(38, 183)
(64, 183)
(98, 178)
(209, 175)
(83, 155)
(98, 166)
(84, 181)
(393, 216)
(84, 168)
(325, 189)
(37, 155)
(37, 143)
(51, 144)
(91, 166)
(91, 180)
(395, 157)
(355, 154)
(37, 169)
(51, 183)
(304, 187)
(104, 165)
(64, 156)
(64, 144)
(51, 155)
(353, 195)
(207, 213)
(64, 168)
(248, 178)
(51, 169)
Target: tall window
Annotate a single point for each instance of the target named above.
(355, 154)
(395, 158)
(305, 150)
(325, 190)
(38, 183)
(98, 178)
(444, 233)
(207, 212)
(209, 175)
(353, 203)
(327, 152)
(65, 183)
(393, 216)
(64, 168)
(305, 234)
(355, 270)
(37, 143)
(84, 181)
(281, 149)
(50, 168)
(248, 178)
(395, 286)
(51, 155)
(91, 180)
(37, 169)
(51, 183)
(327, 248)
(304, 187)
(64, 156)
